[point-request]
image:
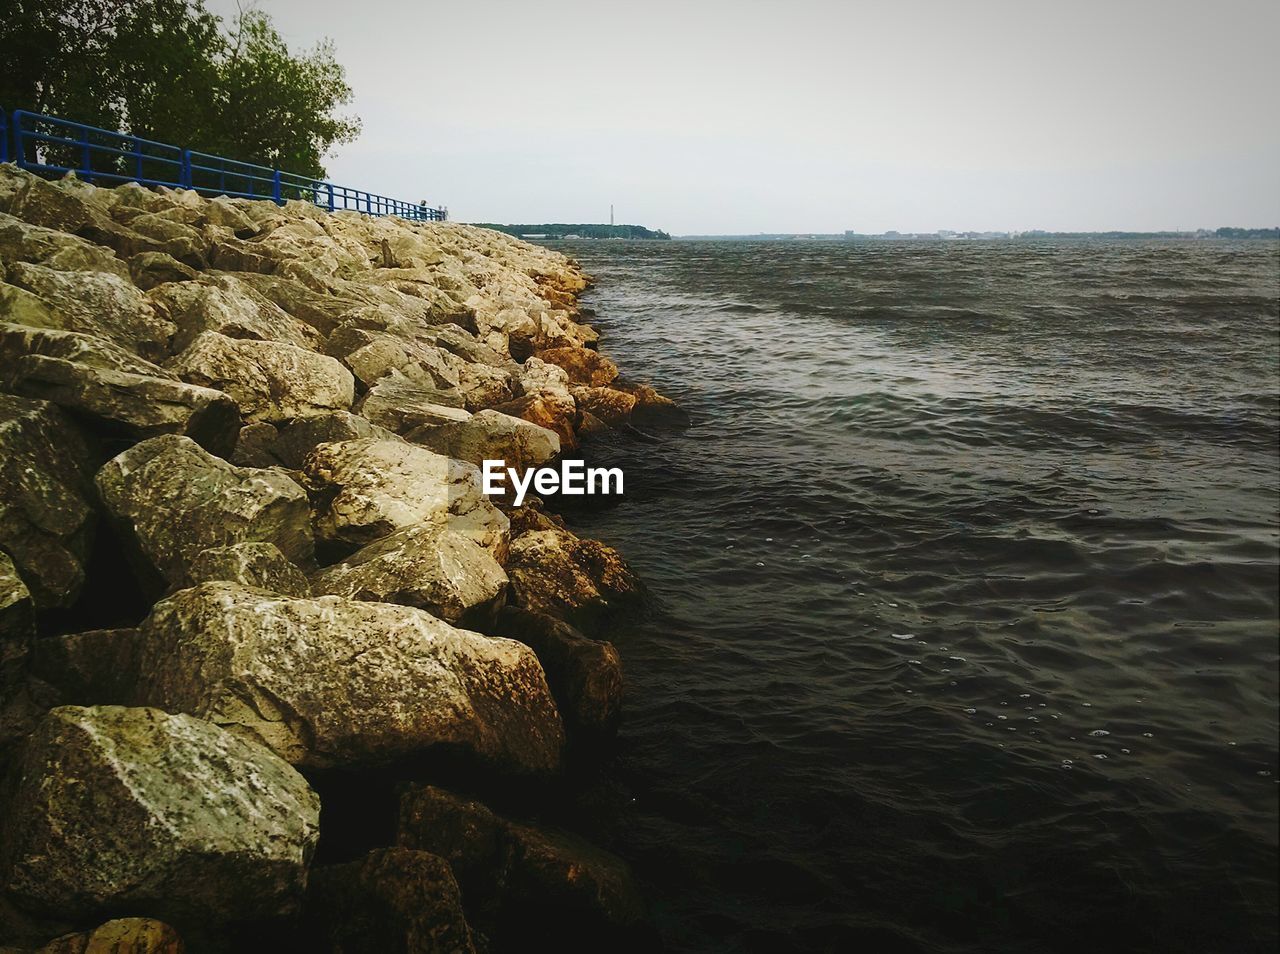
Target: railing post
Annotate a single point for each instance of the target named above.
(84, 152)
(275, 188)
(137, 151)
(329, 186)
(184, 174)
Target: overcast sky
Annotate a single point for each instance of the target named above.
(740, 116)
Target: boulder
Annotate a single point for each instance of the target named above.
(548, 409)
(250, 564)
(369, 488)
(96, 667)
(654, 410)
(43, 203)
(121, 936)
(537, 375)
(46, 521)
(399, 405)
(224, 304)
(136, 808)
(173, 500)
(256, 446)
(300, 437)
(23, 242)
(132, 405)
(96, 303)
(333, 683)
(585, 675)
(557, 574)
(612, 407)
(520, 875)
(491, 435)
(322, 311)
(150, 269)
(392, 899)
(269, 380)
(373, 352)
(18, 340)
(583, 365)
(17, 625)
(433, 568)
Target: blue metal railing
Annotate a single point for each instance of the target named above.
(51, 145)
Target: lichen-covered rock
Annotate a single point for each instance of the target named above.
(17, 624)
(250, 564)
(400, 405)
(583, 365)
(585, 675)
(127, 807)
(329, 682)
(392, 899)
(520, 875)
(95, 667)
(133, 405)
(96, 303)
(224, 304)
(46, 521)
(269, 380)
(439, 570)
(120, 936)
(369, 488)
(491, 435)
(580, 581)
(173, 500)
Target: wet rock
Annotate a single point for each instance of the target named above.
(369, 488)
(399, 405)
(330, 683)
(133, 405)
(491, 435)
(125, 807)
(557, 574)
(149, 269)
(121, 936)
(224, 304)
(438, 570)
(393, 899)
(583, 365)
(612, 407)
(518, 875)
(654, 410)
(17, 625)
(173, 500)
(96, 667)
(556, 412)
(250, 564)
(46, 521)
(585, 675)
(269, 380)
(96, 303)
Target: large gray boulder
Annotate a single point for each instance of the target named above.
(224, 304)
(173, 500)
(46, 521)
(97, 303)
(136, 406)
(269, 380)
(329, 682)
(392, 899)
(369, 488)
(439, 570)
(491, 435)
(136, 808)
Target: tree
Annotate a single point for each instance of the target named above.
(170, 70)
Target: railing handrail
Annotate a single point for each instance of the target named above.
(196, 170)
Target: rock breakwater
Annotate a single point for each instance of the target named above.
(246, 559)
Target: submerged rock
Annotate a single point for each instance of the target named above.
(333, 683)
(392, 899)
(122, 807)
(370, 488)
(173, 500)
(439, 570)
(269, 380)
(46, 522)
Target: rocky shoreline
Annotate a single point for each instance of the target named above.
(263, 640)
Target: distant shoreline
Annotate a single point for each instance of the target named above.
(1221, 234)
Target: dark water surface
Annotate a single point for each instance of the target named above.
(964, 633)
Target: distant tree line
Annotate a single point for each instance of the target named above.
(1234, 233)
(555, 230)
(171, 71)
